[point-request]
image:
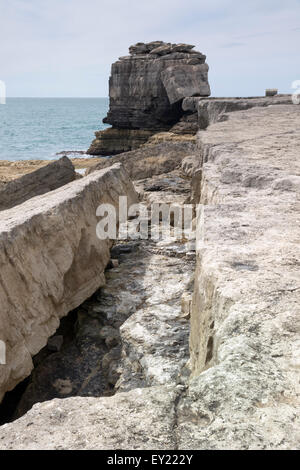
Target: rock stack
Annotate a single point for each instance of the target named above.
(146, 90)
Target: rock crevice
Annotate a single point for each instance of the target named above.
(235, 385)
(51, 260)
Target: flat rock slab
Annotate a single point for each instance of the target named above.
(40, 181)
(140, 419)
(211, 110)
(12, 170)
(245, 330)
(50, 262)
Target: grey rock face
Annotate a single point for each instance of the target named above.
(114, 141)
(139, 98)
(181, 81)
(38, 182)
(146, 89)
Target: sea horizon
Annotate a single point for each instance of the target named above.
(34, 128)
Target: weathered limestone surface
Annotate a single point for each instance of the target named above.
(245, 330)
(243, 392)
(131, 333)
(213, 110)
(50, 262)
(217, 109)
(190, 165)
(38, 182)
(153, 159)
(120, 422)
(146, 90)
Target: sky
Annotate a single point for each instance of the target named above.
(64, 48)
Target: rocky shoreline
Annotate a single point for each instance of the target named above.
(11, 170)
(168, 344)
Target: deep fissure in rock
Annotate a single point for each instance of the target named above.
(10, 402)
(83, 357)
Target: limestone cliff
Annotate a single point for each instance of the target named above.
(243, 388)
(146, 90)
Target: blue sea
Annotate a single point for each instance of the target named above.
(39, 128)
